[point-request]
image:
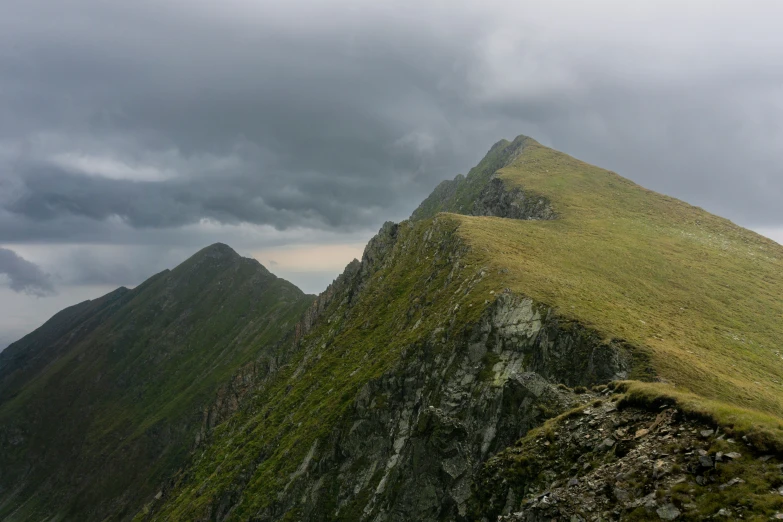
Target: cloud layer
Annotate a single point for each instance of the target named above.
(24, 276)
(329, 116)
(136, 132)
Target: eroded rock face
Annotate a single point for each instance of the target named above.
(615, 461)
(497, 200)
(415, 439)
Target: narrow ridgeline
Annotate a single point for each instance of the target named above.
(517, 301)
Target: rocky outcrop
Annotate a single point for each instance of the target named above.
(609, 460)
(341, 287)
(463, 194)
(414, 440)
(377, 249)
(497, 200)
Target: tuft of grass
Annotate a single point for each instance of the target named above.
(762, 430)
(697, 294)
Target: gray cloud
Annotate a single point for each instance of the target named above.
(160, 114)
(135, 133)
(24, 276)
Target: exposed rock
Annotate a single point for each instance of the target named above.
(637, 479)
(442, 417)
(497, 200)
(461, 194)
(668, 512)
(605, 445)
(641, 433)
(731, 482)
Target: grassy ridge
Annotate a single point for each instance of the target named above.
(460, 194)
(115, 410)
(252, 458)
(702, 295)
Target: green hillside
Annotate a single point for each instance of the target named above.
(103, 402)
(702, 295)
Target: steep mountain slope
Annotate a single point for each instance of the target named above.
(397, 371)
(701, 295)
(458, 333)
(105, 400)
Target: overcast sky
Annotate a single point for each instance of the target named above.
(134, 133)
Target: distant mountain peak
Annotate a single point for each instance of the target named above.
(513, 146)
(141, 365)
(217, 250)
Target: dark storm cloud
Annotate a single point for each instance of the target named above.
(50, 193)
(24, 276)
(157, 115)
(316, 131)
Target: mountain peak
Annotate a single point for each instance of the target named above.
(480, 193)
(219, 256)
(217, 250)
(513, 146)
(141, 365)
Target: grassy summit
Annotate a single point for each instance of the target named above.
(702, 295)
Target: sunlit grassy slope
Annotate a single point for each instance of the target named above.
(701, 294)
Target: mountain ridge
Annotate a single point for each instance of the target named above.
(436, 276)
(502, 354)
(120, 382)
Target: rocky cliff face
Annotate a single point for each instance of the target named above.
(413, 431)
(497, 200)
(613, 459)
(413, 440)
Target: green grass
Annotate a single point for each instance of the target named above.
(701, 296)
(763, 431)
